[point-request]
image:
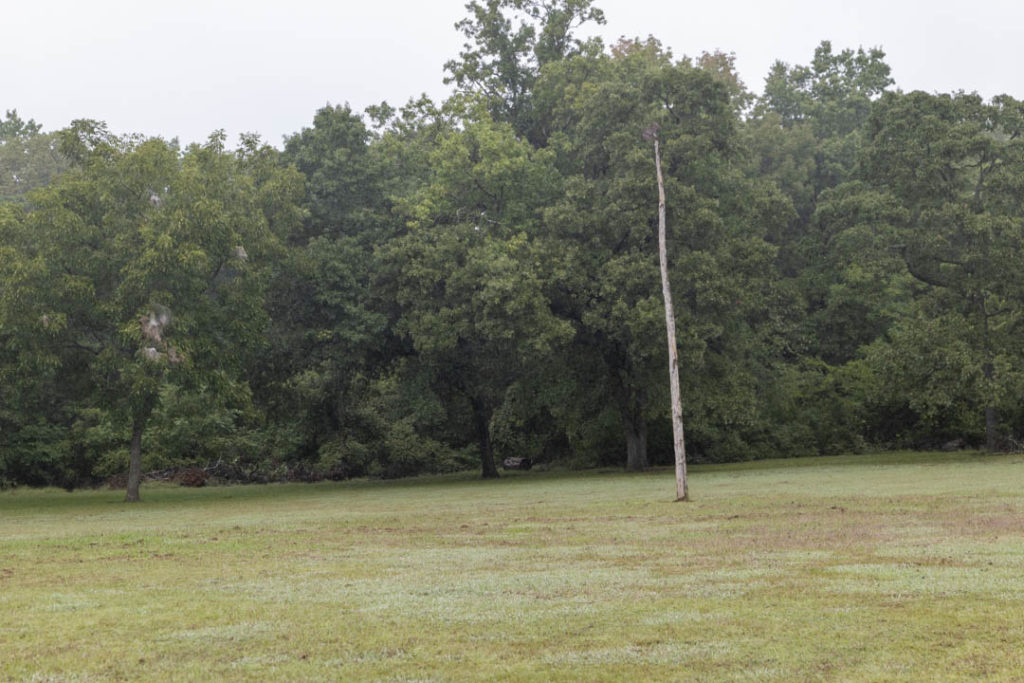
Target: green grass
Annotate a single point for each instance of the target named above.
(894, 567)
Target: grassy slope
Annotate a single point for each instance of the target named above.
(868, 568)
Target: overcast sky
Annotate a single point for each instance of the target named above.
(187, 67)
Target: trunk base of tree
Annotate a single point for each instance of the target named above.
(991, 430)
(483, 432)
(991, 420)
(636, 445)
(134, 464)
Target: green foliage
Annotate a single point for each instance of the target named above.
(28, 157)
(950, 171)
(13, 127)
(138, 269)
(466, 276)
(342, 181)
(834, 93)
(805, 136)
(324, 329)
(602, 246)
(508, 44)
(202, 426)
(442, 285)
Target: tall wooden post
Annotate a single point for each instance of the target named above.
(679, 441)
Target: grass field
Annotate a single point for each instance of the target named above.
(889, 567)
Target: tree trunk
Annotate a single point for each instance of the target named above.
(135, 461)
(991, 430)
(682, 490)
(483, 435)
(636, 443)
(991, 423)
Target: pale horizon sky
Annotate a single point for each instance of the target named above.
(186, 68)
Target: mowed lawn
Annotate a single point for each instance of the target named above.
(880, 567)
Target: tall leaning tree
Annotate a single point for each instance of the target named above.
(678, 436)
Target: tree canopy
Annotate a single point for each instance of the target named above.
(447, 285)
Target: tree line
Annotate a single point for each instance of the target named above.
(442, 285)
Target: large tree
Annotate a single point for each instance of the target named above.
(325, 327)
(465, 272)
(950, 171)
(833, 296)
(141, 266)
(603, 238)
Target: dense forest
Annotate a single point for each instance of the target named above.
(443, 285)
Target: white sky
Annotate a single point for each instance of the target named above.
(186, 67)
